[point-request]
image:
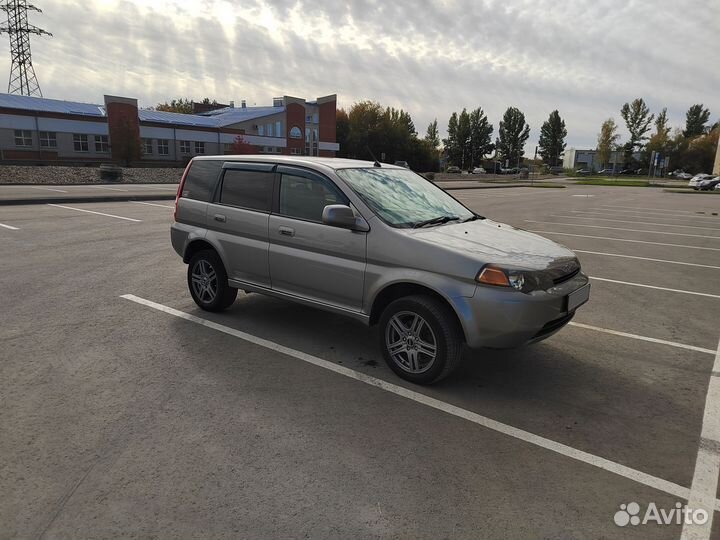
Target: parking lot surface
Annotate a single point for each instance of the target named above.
(127, 411)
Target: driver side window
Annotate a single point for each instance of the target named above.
(305, 198)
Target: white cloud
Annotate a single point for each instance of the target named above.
(585, 58)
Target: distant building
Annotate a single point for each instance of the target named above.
(588, 159)
(41, 130)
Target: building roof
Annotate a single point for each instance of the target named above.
(215, 119)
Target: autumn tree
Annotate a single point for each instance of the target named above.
(241, 146)
(552, 139)
(637, 120)
(181, 105)
(607, 141)
(513, 133)
(695, 120)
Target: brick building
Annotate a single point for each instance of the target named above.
(40, 130)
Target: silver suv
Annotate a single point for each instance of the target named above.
(375, 242)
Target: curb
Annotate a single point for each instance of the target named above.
(92, 198)
(451, 188)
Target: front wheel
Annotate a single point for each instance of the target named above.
(208, 282)
(421, 339)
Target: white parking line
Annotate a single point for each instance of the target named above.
(106, 187)
(638, 222)
(621, 229)
(645, 258)
(707, 464)
(153, 204)
(93, 212)
(548, 444)
(9, 227)
(655, 287)
(642, 338)
(655, 215)
(48, 189)
(645, 208)
(625, 240)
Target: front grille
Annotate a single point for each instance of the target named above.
(553, 325)
(562, 279)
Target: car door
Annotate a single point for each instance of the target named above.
(238, 220)
(308, 258)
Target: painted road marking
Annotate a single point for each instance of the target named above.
(9, 227)
(655, 215)
(621, 229)
(642, 338)
(548, 444)
(153, 204)
(93, 212)
(645, 258)
(707, 464)
(625, 240)
(48, 189)
(638, 222)
(655, 287)
(645, 208)
(105, 187)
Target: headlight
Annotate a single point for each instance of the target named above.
(521, 280)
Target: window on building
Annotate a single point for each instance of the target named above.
(247, 189)
(48, 139)
(308, 118)
(163, 147)
(147, 146)
(295, 151)
(199, 147)
(269, 130)
(315, 118)
(184, 147)
(102, 144)
(23, 137)
(261, 130)
(278, 129)
(80, 142)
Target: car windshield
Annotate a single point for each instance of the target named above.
(402, 198)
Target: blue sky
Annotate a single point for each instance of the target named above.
(584, 58)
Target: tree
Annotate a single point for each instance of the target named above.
(513, 133)
(695, 120)
(241, 146)
(607, 141)
(480, 137)
(552, 139)
(181, 105)
(432, 136)
(660, 140)
(637, 119)
(662, 128)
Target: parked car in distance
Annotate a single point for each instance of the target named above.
(582, 172)
(683, 176)
(695, 180)
(452, 169)
(377, 243)
(708, 183)
(606, 171)
(478, 170)
(402, 164)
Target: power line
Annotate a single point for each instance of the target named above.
(22, 74)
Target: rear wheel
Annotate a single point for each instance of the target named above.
(420, 338)
(208, 282)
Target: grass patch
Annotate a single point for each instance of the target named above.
(609, 182)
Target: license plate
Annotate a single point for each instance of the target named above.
(577, 298)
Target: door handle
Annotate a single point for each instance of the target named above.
(220, 218)
(287, 231)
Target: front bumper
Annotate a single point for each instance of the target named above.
(500, 318)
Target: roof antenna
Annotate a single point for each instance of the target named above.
(377, 163)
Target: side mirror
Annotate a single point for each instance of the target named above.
(339, 215)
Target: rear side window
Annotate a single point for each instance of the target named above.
(201, 179)
(247, 189)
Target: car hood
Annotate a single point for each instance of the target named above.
(489, 241)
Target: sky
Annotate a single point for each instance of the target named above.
(583, 57)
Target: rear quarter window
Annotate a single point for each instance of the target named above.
(201, 179)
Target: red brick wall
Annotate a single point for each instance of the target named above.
(124, 128)
(295, 116)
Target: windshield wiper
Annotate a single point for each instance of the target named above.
(435, 221)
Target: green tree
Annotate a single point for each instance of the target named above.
(432, 135)
(451, 143)
(662, 127)
(513, 133)
(181, 105)
(637, 119)
(552, 139)
(695, 120)
(480, 137)
(660, 140)
(607, 141)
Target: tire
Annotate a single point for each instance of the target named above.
(408, 325)
(210, 291)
